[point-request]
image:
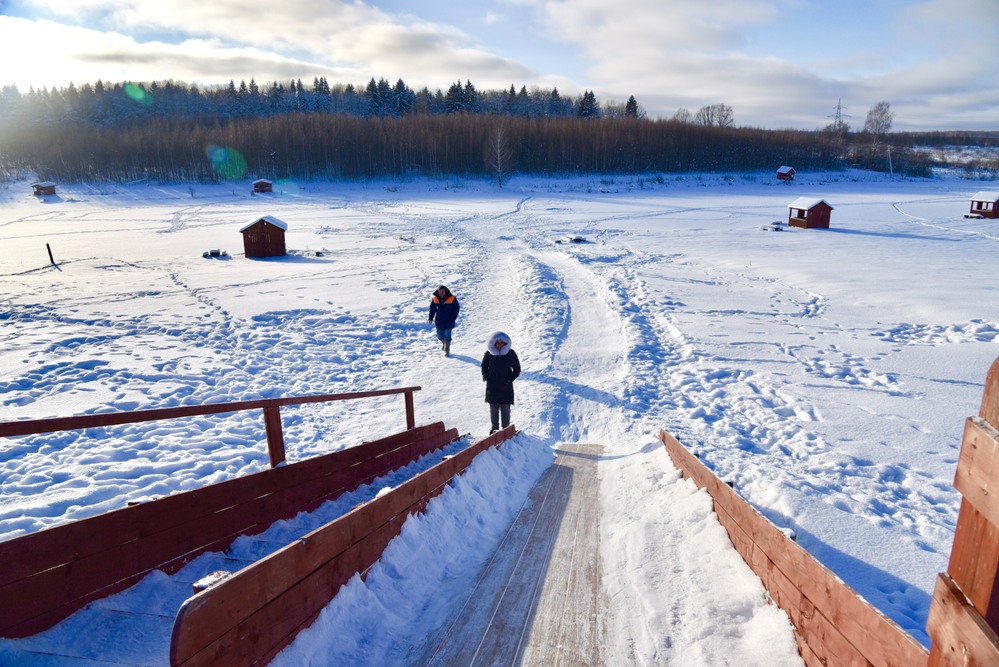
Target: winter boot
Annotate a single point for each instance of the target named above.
(447, 348)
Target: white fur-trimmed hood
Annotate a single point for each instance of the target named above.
(491, 345)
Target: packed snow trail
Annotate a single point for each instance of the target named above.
(575, 350)
(826, 374)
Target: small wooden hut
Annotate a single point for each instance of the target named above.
(785, 173)
(262, 185)
(809, 213)
(43, 188)
(984, 204)
(264, 237)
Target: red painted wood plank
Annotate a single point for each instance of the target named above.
(990, 397)
(961, 637)
(66, 567)
(844, 627)
(208, 625)
(977, 476)
(25, 555)
(15, 428)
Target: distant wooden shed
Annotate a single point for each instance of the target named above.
(785, 173)
(809, 213)
(985, 204)
(262, 185)
(43, 188)
(264, 237)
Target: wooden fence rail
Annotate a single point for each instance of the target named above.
(964, 616)
(833, 624)
(247, 618)
(270, 406)
(49, 574)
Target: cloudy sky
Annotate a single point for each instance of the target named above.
(777, 63)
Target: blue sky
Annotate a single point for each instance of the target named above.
(777, 63)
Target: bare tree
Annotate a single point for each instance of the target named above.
(499, 154)
(682, 115)
(879, 120)
(715, 115)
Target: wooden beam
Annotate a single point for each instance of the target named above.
(247, 616)
(838, 626)
(961, 637)
(977, 475)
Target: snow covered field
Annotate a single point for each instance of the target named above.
(825, 373)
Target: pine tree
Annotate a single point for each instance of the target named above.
(588, 107)
(631, 107)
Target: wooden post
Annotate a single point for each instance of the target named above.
(410, 411)
(275, 437)
(964, 615)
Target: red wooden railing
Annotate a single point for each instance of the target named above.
(270, 406)
(834, 625)
(48, 574)
(964, 617)
(247, 618)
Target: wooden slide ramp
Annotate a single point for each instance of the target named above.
(538, 600)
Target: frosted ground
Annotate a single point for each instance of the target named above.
(825, 373)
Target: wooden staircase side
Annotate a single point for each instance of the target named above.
(964, 616)
(833, 624)
(248, 617)
(47, 575)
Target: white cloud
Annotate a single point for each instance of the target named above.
(765, 58)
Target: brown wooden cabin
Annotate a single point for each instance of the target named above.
(264, 237)
(809, 213)
(43, 188)
(785, 173)
(262, 185)
(985, 204)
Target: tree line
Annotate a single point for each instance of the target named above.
(175, 132)
(300, 146)
(108, 105)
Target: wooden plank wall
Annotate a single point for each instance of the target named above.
(833, 624)
(250, 616)
(964, 616)
(47, 575)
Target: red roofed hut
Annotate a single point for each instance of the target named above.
(264, 237)
(43, 188)
(785, 173)
(985, 204)
(809, 213)
(262, 185)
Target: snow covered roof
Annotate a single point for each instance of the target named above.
(262, 180)
(985, 196)
(785, 169)
(807, 203)
(44, 184)
(265, 218)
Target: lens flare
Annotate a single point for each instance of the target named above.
(227, 162)
(286, 187)
(137, 94)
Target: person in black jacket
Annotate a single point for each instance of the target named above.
(444, 309)
(500, 367)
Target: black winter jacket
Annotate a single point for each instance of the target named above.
(499, 372)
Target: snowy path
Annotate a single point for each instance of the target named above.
(826, 375)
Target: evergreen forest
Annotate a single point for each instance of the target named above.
(170, 132)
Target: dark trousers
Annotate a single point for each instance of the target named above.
(499, 412)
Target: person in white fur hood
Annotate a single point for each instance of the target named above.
(500, 367)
